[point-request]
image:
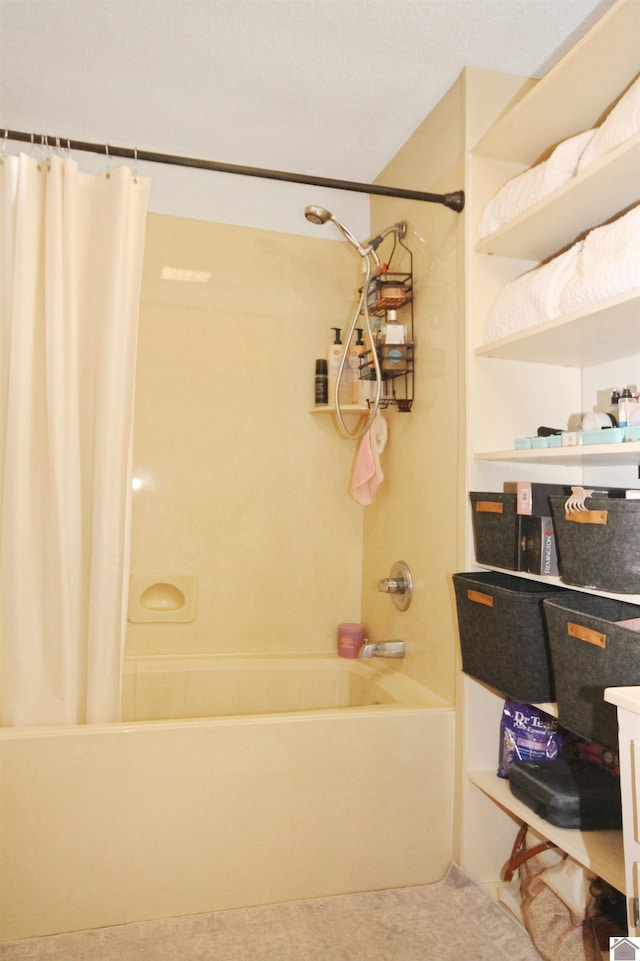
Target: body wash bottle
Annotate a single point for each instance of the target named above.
(334, 359)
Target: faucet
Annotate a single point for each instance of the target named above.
(383, 649)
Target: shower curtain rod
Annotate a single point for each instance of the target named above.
(455, 200)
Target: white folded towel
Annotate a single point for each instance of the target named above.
(521, 192)
(531, 298)
(621, 123)
(608, 265)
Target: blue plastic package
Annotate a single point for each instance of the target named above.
(527, 734)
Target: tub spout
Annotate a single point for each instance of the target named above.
(383, 649)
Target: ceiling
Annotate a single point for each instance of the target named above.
(325, 87)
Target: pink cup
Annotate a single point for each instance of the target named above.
(350, 639)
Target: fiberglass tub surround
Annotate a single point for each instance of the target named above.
(149, 819)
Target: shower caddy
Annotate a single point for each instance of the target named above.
(391, 290)
(388, 290)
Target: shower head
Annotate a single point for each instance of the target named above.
(317, 215)
(320, 215)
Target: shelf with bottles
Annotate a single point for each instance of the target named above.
(390, 302)
(594, 455)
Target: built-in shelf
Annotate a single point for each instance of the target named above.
(557, 582)
(345, 409)
(607, 331)
(594, 455)
(575, 93)
(605, 188)
(600, 851)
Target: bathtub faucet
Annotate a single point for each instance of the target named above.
(383, 649)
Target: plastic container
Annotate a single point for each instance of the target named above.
(606, 435)
(495, 528)
(350, 639)
(503, 634)
(593, 646)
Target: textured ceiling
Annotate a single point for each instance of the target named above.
(327, 87)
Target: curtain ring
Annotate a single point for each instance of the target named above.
(135, 165)
(4, 143)
(108, 165)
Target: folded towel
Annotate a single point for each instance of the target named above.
(608, 265)
(532, 298)
(521, 192)
(622, 122)
(367, 473)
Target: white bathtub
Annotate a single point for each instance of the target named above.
(331, 777)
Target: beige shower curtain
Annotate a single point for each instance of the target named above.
(71, 250)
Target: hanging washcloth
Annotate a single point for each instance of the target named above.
(367, 473)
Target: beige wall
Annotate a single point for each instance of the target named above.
(245, 488)
(415, 518)
(241, 484)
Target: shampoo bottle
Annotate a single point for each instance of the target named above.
(334, 359)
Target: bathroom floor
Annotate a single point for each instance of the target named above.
(448, 921)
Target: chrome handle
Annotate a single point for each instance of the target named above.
(399, 584)
(392, 585)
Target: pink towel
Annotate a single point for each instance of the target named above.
(367, 473)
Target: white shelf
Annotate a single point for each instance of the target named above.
(574, 94)
(603, 189)
(607, 331)
(345, 408)
(594, 455)
(557, 582)
(600, 851)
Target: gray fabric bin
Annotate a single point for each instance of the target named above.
(590, 651)
(600, 546)
(495, 528)
(503, 633)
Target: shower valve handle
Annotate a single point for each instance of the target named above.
(399, 585)
(392, 585)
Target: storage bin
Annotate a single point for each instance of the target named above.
(495, 528)
(503, 633)
(591, 650)
(599, 547)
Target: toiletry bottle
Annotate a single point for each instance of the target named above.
(626, 398)
(322, 382)
(613, 406)
(355, 355)
(351, 637)
(334, 359)
(394, 350)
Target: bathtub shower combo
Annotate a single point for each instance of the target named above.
(230, 781)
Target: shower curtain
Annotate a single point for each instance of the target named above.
(71, 249)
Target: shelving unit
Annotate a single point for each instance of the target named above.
(594, 346)
(600, 851)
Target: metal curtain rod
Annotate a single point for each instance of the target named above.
(455, 200)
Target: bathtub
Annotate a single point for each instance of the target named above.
(231, 782)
